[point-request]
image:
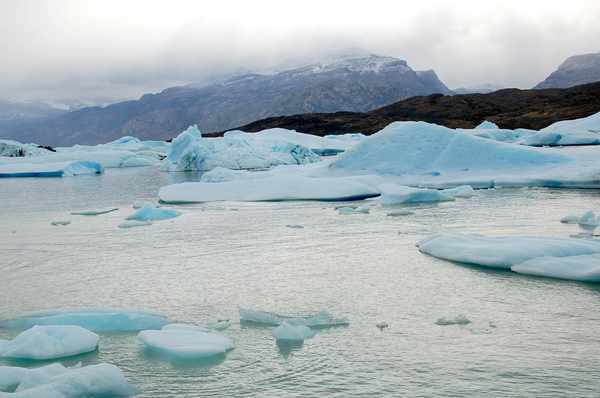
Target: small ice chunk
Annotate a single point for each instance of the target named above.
(586, 216)
(288, 332)
(95, 211)
(394, 193)
(184, 326)
(360, 210)
(49, 342)
(464, 191)
(186, 343)
(151, 212)
(323, 318)
(134, 223)
(63, 223)
(397, 213)
(459, 320)
(294, 226)
(570, 219)
(462, 320)
(218, 325)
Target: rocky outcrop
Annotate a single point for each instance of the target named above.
(576, 70)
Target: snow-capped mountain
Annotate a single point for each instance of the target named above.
(576, 70)
(355, 81)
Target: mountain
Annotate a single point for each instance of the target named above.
(509, 108)
(355, 82)
(16, 115)
(576, 70)
(481, 89)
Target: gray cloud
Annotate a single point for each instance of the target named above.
(66, 48)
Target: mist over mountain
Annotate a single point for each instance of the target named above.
(576, 70)
(355, 82)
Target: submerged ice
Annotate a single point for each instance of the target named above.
(323, 318)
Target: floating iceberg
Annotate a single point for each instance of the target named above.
(56, 169)
(186, 343)
(12, 149)
(459, 320)
(584, 131)
(236, 150)
(95, 212)
(288, 332)
(49, 342)
(588, 218)
(534, 255)
(418, 153)
(134, 223)
(56, 381)
(355, 210)
(92, 318)
(151, 212)
(323, 318)
(273, 188)
(393, 194)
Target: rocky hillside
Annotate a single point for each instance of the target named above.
(576, 70)
(24, 115)
(346, 82)
(509, 108)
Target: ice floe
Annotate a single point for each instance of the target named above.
(55, 169)
(288, 332)
(418, 153)
(186, 343)
(150, 212)
(91, 318)
(237, 150)
(322, 318)
(273, 188)
(95, 212)
(134, 223)
(393, 194)
(459, 320)
(56, 381)
(49, 342)
(588, 218)
(563, 258)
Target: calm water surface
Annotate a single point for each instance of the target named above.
(529, 336)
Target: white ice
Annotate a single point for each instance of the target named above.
(418, 153)
(273, 188)
(56, 381)
(185, 326)
(393, 194)
(9, 148)
(186, 343)
(91, 318)
(134, 223)
(49, 342)
(54, 169)
(323, 318)
(288, 332)
(535, 255)
(238, 150)
(588, 218)
(151, 212)
(95, 212)
(584, 131)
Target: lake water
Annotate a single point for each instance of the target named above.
(528, 336)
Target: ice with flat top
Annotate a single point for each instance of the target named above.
(91, 318)
(186, 343)
(57, 381)
(393, 194)
(54, 169)
(49, 342)
(323, 318)
(564, 258)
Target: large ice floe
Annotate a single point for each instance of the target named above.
(53, 169)
(237, 150)
(39, 162)
(323, 318)
(419, 153)
(56, 381)
(91, 318)
(563, 258)
(185, 341)
(585, 131)
(49, 342)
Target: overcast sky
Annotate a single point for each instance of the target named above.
(123, 49)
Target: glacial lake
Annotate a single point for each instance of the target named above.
(528, 336)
